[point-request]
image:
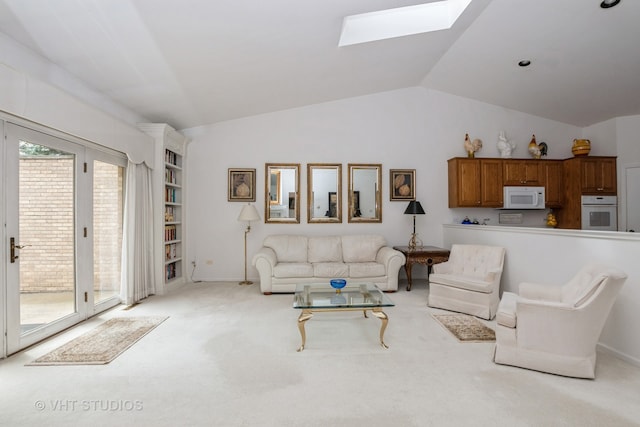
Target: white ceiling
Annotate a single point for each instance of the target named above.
(194, 62)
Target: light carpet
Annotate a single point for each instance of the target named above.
(102, 344)
(466, 328)
(227, 358)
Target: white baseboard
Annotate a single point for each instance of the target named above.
(619, 355)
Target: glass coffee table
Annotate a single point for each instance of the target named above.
(322, 297)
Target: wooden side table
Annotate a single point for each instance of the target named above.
(425, 255)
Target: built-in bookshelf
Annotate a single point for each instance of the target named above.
(172, 215)
(169, 203)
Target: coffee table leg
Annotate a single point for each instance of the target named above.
(384, 319)
(304, 316)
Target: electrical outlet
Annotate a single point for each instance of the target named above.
(209, 262)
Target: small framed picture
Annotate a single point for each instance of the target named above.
(242, 185)
(403, 184)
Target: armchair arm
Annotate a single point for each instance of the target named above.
(493, 275)
(545, 325)
(540, 292)
(442, 268)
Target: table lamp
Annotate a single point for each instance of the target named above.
(248, 213)
(414, 208)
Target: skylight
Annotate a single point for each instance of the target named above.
(402, 21)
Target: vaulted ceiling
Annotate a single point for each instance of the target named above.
(194, 62)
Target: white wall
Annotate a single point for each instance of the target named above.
(555, 256)
(412, 128)
(35, 89)
(37, 101)
(625, 132)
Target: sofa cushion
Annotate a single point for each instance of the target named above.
(366, 269)
(361, 248)
(330, 270)
(463, 282)
(293, 269)
(288, 248)
(325, 249)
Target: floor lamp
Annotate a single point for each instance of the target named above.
(248, 213)
(414, 208)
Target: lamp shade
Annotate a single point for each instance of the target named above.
(414, 208)
(248, 213)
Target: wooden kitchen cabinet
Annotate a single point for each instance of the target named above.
(552, 175)
(599, 175)
(591, 175)
(585, 176)
(475, 182)
(522, 172)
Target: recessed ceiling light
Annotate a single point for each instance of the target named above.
(402, 21)
(524, 63)
(606, 4)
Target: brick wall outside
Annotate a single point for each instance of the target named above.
(107, 226)
(47, 224)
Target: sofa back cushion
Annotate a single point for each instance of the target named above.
(288, 248)
(361, 248)
(325, 249)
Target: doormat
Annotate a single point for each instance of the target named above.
(466, 328)
(102, 344)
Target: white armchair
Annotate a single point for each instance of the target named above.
(469, 282)
(555, 329)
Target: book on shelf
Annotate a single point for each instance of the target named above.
(170, 157)
(170, 195)
(170, 233)
(170, 272)
(171, 251)
(170, 176)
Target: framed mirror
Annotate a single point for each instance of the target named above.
(365, 199)
(282, 193)
(324, 193)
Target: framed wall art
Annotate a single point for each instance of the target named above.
(402, 184)
(242, 185)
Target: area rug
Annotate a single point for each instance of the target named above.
(466, 328)
(102, 344)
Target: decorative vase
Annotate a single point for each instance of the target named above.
(338, 284)
(581, 147)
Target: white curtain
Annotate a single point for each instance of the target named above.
(137, 252)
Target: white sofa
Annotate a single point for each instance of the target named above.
(287, 260)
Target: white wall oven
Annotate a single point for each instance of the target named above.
(600, 213)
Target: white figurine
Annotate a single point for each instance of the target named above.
(505, 146)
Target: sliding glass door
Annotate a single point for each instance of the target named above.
(64, 233)
(108, 176)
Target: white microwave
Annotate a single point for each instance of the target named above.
(523, 198)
